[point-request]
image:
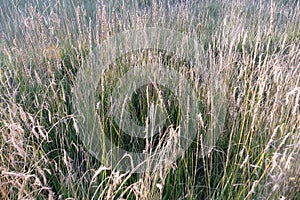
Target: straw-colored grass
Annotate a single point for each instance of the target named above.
(255, 46)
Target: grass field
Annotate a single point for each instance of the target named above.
(254, 46)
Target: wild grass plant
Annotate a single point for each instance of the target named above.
(255, 48)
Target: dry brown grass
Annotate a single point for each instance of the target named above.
(256, 48)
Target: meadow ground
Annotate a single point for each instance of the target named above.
(252, 46)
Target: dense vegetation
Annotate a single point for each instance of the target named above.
(255, 47)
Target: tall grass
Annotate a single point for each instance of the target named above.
(255, 47)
